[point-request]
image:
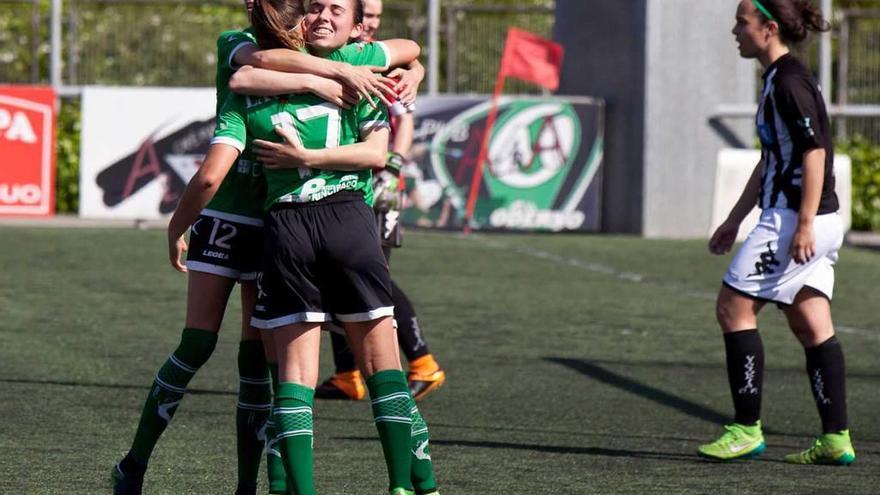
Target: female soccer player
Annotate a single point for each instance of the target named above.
(425, 374)
(321, 250)
(224, 249)
(788, 258)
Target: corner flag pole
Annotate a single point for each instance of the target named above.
(484, 151)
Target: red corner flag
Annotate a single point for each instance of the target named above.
(531, 58)
(528, 57)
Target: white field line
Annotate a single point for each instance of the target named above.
(633, 277)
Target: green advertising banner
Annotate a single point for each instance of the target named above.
(542, 173)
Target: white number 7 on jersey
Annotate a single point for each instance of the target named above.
(334, 125)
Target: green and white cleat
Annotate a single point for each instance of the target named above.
(401, 491)
(830, 448)
(737, 442)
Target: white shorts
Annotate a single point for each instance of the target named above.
(763, 269)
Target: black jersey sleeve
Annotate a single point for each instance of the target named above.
(798, 102)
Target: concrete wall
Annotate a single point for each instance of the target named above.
(692, 67)
(663, 66)
(605, 57)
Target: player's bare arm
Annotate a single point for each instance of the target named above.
(803, 245)
(254, 81)
(725, 235)
(198, 193)
(362, 80)
(367, 154)
(404, 130)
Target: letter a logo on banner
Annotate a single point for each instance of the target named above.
(27, 148)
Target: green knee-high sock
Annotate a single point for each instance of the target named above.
(254, 405)
(293, 419)
(274, 461)
(392, 412)
(168, 388)
(422, 471)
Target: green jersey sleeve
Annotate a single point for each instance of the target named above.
(232, 123)
(369, 118)
(228, 44)
(372, 53)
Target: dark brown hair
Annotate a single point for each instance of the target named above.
(358, 11)
(274, 23)
(796, 19)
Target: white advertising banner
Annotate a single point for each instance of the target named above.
(139, 148)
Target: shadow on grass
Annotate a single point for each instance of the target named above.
(596, 372)
(719, 367)
(114, 386)
(561, 449)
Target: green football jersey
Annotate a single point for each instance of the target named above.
(243, 190)
(317, 124)
(228, 43)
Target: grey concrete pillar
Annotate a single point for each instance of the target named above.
(663, 66)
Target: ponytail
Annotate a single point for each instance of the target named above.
(796, 19)
(276, 23)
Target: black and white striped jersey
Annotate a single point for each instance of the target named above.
(792, 120)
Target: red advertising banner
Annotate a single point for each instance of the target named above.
(27, 151)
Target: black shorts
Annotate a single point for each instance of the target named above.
(322, 261)
(225, 244)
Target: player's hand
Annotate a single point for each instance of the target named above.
(803, 244)
(363, 81)
(406, 83)
(723, 238)
(176, 248)
(334, 92)
(287, 154)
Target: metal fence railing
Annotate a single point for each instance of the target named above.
(24, 43)
(475, 38)
(859, 70)
(172, 43)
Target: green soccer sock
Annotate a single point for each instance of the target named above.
(392, 413)
(274, 460)
(422, 471)
(168, 388)
(254, 405)
(293, 419)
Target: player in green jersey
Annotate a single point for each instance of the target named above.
(425, 374)
(335, 190)
(224, 248)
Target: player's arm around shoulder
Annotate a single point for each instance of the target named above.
(369, 153)
(399, 52)
(254, 81)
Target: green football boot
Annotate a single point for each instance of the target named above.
(401, 491)
(830, 448)
(737, 442)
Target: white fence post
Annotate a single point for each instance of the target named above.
(825, 57)
(433, 47)
(55, 45)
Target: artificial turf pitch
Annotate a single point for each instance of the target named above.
(576, 364)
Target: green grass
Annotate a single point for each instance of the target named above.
(576, 365)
